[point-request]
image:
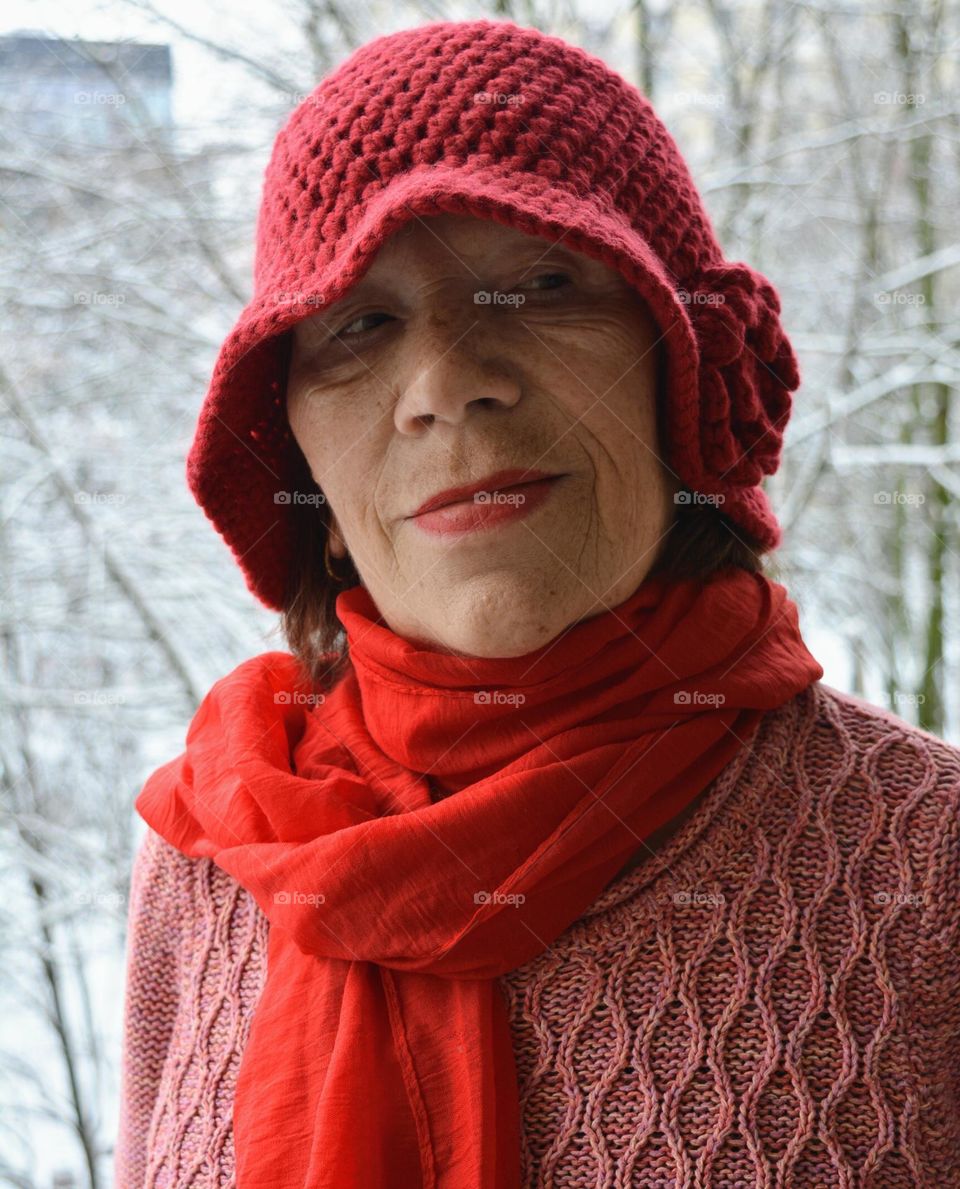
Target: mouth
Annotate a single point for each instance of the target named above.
(498, 482)
(488, 506)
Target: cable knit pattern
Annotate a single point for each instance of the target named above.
(773, 999)
(503, 123)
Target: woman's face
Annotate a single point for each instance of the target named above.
(410, 385)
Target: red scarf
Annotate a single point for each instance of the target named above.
(380, 1053)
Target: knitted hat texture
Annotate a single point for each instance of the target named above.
(505, 123)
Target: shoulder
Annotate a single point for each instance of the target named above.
(176, 900)
(276, 669)
(283, 676)
(847, 743)
(162, 904)
(849, 791)
(160, 875)
(837, 759)
(897, 756)
(859, 709)
(889, 793)
(164, 876)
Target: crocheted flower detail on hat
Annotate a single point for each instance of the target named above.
(747, 373)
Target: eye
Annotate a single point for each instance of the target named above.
(561, 277)
(347, 331)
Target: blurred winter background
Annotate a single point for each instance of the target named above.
(826, 141)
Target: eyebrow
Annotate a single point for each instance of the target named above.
(544, 248)
(507, 252)
(559, 250)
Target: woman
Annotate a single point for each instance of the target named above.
(560, 865)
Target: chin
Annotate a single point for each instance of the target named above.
(506, 629)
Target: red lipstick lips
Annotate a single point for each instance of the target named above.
(500, 497)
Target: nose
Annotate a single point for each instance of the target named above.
(454, 369)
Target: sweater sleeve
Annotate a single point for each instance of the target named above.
(936, 990)
(155, 929)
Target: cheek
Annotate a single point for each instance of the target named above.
(345, 452)
(625, 363)
(597, 354)
(605, 375)
(322, 422)
(608, 381)
(303, 417)
(294, 407)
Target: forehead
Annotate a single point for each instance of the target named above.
(439, 240)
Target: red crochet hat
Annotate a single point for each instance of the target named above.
(489, 119)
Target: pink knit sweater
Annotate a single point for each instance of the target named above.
(772, 999)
